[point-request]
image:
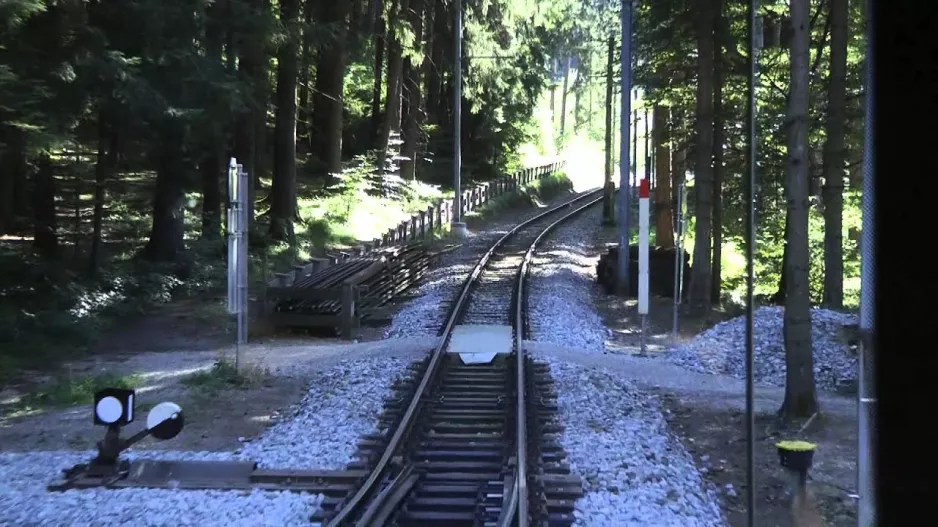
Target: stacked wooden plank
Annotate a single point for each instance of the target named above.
(342, 292)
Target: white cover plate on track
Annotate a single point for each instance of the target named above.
(480, 343)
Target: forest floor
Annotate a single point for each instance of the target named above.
(707, 412)
(172, 352)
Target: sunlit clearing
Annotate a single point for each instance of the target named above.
(584, 163)
(163, 375)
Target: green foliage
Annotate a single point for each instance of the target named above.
(224, 376)
(68, 391)
(535, 193)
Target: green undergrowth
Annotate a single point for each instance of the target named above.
(52, 311)
(770, 251)
(534, 194)
(69, 391)
(224, 376)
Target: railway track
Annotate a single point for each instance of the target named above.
(471, 444)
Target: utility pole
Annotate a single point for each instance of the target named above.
(866, 473)
(622, 274)
(458, 227)
(610, 187)
(755, 44)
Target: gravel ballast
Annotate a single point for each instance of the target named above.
(721, 349)
(342, 404)
(424, 315)
(25, 502)
(563, 274)
(635, 473)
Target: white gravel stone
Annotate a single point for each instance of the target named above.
(721, 349)
(424, 315)
(25, 501)
(635, 473)
(564, 273)
(341, 405)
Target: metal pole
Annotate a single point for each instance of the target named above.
(609, 184)
(459, 228)
(678, 254)
(754, 45)
(622, 274)
(866, 407)
(643, 228)
(646, 155)
(243, 267)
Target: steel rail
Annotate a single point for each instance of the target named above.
(518, 500)
(360, 498)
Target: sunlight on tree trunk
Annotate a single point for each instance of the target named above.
(664, 231)
(800, 397)
(703, 169)
(834, 158)
(283, 189)
(716, 283)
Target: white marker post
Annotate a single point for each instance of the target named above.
(643, 254)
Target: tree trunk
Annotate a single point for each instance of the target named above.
(166, 241)
(262, 95)
(435, 70)
(779, 297)
(212, 162)
(800, 396)
(405, 92)
(414, 116)
(578, 88)
(327, 100)
(716, 282)
(13, 180)
(703, 170)
(609, 194)
(104, 169)
(211, 168)
(678, 169)
(283, 188)
(563, 95)
(664, 233)
(634, 137)
(251, 125)
(304, 106)
(45, 229)
(380, 44)
(230, 32)
(832, 192)
(553, 104)
(392, 114)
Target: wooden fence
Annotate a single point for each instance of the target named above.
(370, 261)
(423, 224)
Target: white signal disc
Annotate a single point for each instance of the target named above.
(109, 409)
(162, 412)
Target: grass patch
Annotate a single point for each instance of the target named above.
(224, 376)
(52, 311)
(535, 193)
(65, 391)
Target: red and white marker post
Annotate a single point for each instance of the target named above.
(643, 217)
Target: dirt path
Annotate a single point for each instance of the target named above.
(180, 339)
(216, 419)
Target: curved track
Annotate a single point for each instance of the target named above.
(461, 451)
